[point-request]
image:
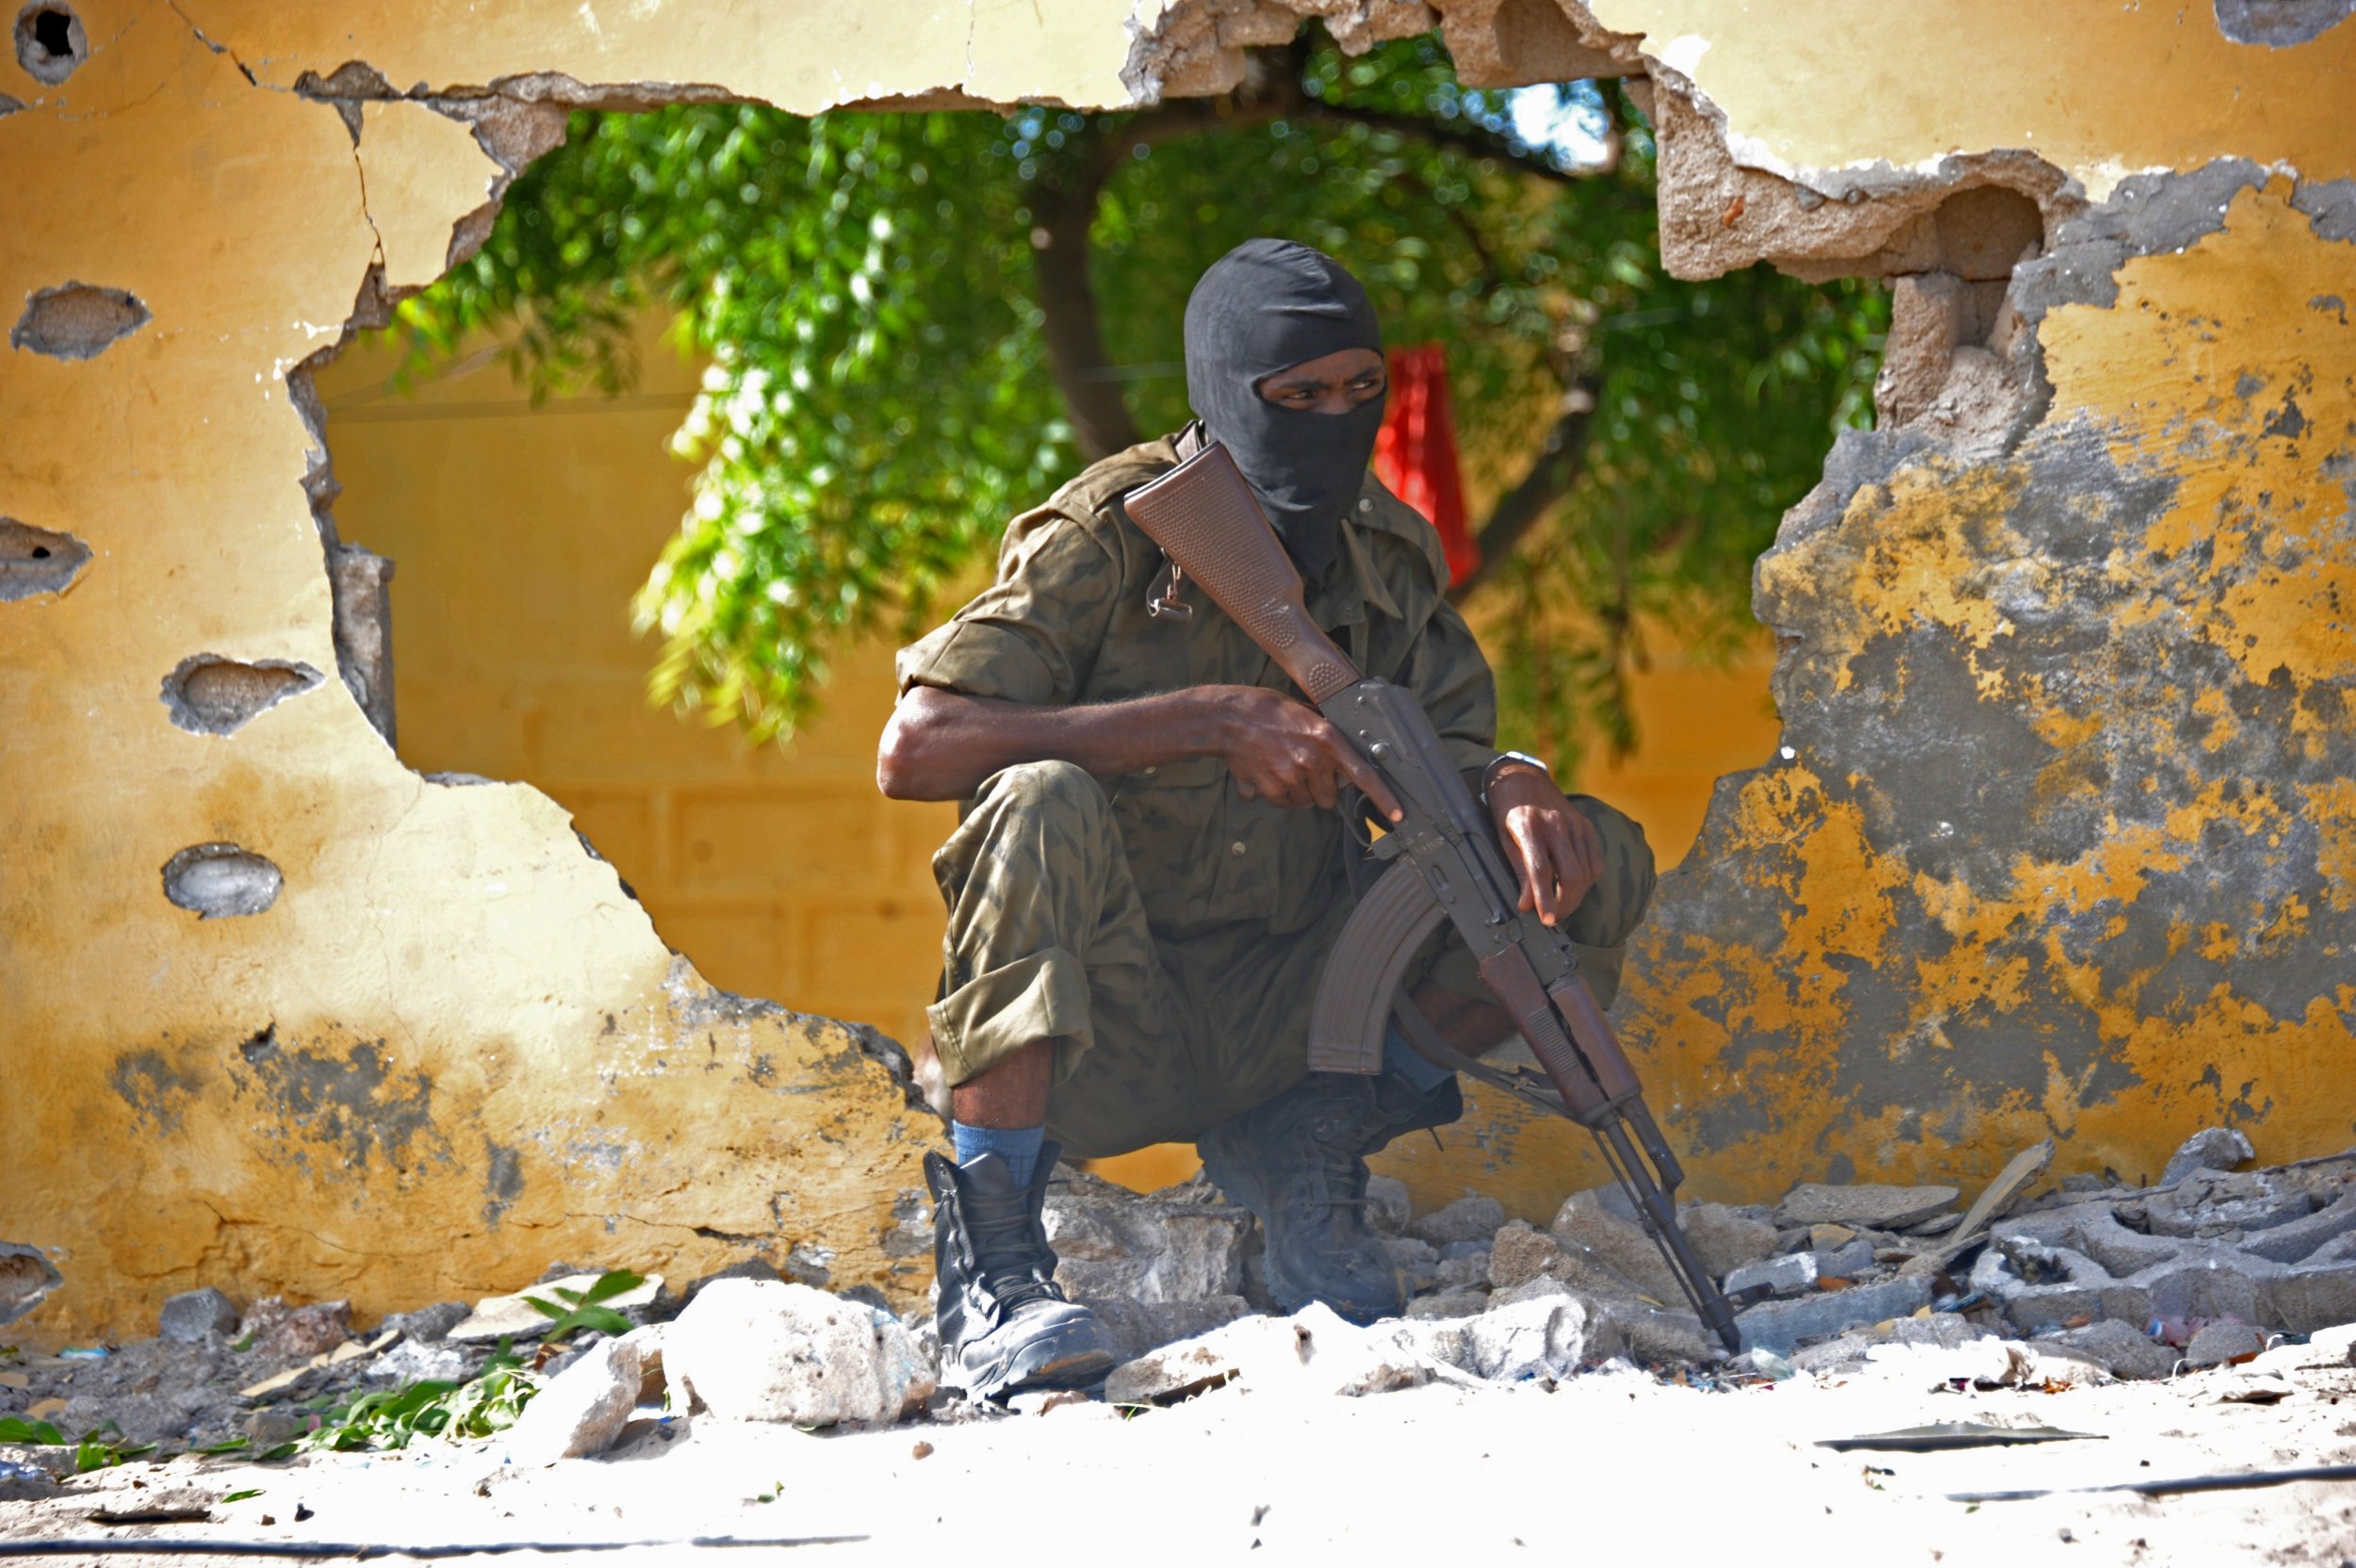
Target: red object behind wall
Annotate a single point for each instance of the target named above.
(1415, 453)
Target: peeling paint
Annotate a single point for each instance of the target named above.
(1881, 958)
(2058, 848)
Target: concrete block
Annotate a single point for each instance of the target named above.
(1781, 1326)
(581, 1410)
(2211, 1149)
(1865, 1204)
(1787, 1275)
(193, 1315)
(760, 1350)
(1466, 1219)
(1724, 1237)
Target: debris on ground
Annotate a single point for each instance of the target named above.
(2215, 1271)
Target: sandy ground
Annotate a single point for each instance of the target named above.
(1609, 1465)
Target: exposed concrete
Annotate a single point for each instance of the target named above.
(209, 695)
(362, 582)
(26, 1277)
(1518, 42)
(77, 321)
(2281, 24)
(1972, 216)
(221, 880)
(2035, 676)
(36, 561)
(2264, 1249)
(51, 40)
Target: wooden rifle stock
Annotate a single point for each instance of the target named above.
(1206, 520)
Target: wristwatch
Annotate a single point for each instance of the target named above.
(1500, 760)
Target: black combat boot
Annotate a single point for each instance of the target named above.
(1298, 1162)
(1005, 1324)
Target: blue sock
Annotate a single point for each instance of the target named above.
(1419, 1070)
(1018, 1146)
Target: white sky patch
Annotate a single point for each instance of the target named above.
(1543, 118)
(1684, 52)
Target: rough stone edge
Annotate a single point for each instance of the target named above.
(174, 700)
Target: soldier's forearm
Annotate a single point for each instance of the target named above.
(940, 746)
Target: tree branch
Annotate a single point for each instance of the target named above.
(1063, 210)
(1467, 141)
(1561, 458)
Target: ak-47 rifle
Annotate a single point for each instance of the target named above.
(1445, 865)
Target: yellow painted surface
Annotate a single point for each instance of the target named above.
(520, 533)
(801, 54)
(2180, 377)
(452, 1051)
(2101, 91)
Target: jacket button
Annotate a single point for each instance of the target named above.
(1235, 848)
(1365, 504)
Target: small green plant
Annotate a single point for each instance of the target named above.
(392, 1418)
(241, 1497)
(585, 1309)
(98, 1450)
(95, 1449)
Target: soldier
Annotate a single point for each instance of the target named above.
(1148, 874)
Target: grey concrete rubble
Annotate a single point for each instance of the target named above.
(767, 1351)
(1466, 1219)
(2211, 1149)
(582, 1409)
(1885, 1208)
(2267, 1247)
(2218, 1273)
(1187, 1243)
(1780, 1276)
(195, 1314)
(26, 1277)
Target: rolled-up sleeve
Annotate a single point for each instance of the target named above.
(1033, 635)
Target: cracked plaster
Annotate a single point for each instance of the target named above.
(261, 176)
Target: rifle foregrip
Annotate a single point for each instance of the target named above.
(1206, 520)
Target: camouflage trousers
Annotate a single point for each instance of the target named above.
(1157, 1039)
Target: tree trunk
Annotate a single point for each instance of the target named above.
(1560, 462)
(1063, 208)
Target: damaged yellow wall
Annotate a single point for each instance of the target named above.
(450, 1050)
(520, 531)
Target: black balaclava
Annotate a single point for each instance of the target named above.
(1265, 306)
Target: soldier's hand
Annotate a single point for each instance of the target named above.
(1285, 751)
(1554, 850)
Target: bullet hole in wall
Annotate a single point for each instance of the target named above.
(212, 695)
(35, 561)
(78, 320)
(50, 41)
(221, 880)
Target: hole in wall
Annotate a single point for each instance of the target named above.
(208, 695)
(26, 1277)
(50, 41)
(510, 557)
(78, 320)
(35, 561)
(220, 881)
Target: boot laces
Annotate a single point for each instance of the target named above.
(1006, 1255)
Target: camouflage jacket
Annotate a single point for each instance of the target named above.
(1066, 622)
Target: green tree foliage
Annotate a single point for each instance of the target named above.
(919, 324)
